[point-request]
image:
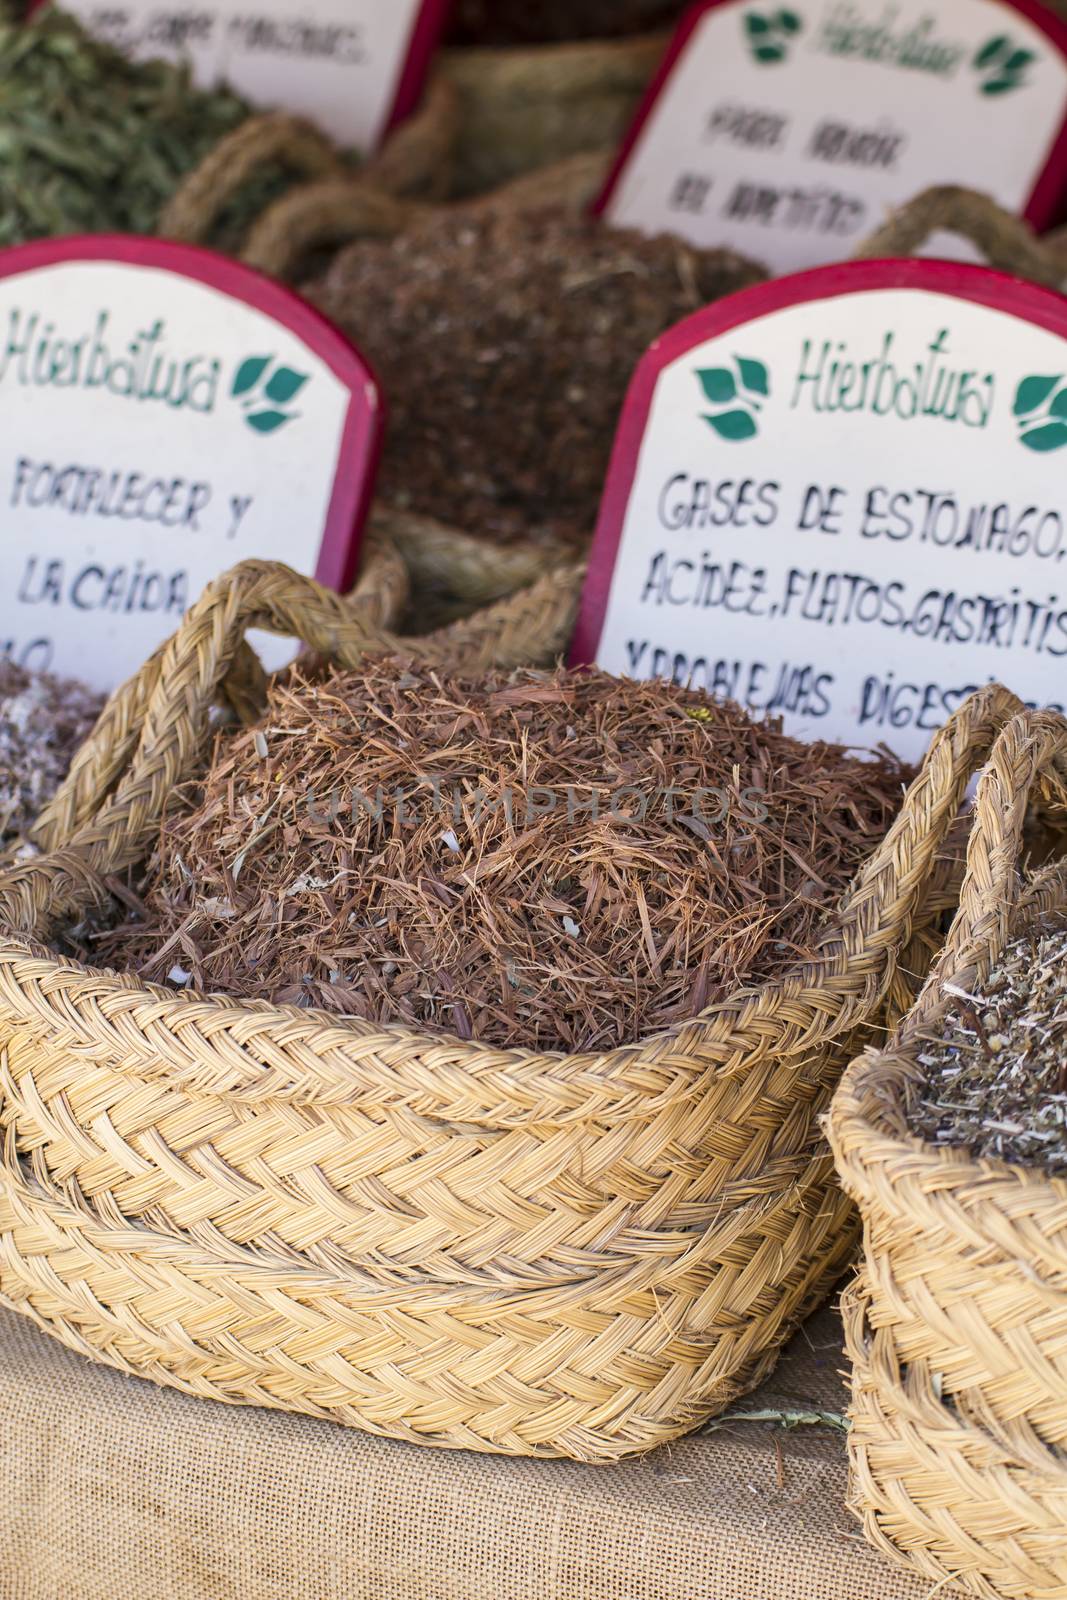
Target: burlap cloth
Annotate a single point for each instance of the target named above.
(113, 1489)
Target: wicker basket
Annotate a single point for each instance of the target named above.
(539, 1254)
(957, 1324)
(452, 572)
(528, 107)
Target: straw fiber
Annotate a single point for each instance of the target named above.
(114, 1490)
(498, 1249)
(1004, 240)
(530, 106)
(957, 1326)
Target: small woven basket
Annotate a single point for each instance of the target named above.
(452, 572)
(532, 1253)
(531, 106)
(957, 1324)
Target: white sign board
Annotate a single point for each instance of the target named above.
(789, 130)
(164, 413)
(841, 498)
(355, 67)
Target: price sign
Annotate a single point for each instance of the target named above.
(788, 130)
(355, 67)
(164, 413)
(841, 498)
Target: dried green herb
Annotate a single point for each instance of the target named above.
(996, 1074)
(93, 143)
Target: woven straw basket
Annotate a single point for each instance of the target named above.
(539, 1254)
(451, 571)
(530, 106)
(957, 1324)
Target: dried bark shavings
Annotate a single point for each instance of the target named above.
(506, 342)
(454, 910)
(996, 1074)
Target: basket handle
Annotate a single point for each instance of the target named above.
(1004, 239)
(1028, 761)
(103, 818)
(314, 216)
(886, 892)
(196, 204)
(378, 598)
(854, 966)
(416, 161)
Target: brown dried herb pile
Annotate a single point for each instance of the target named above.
(545, 21)
(409, 847)
(43, 720)
(996, 1075)
(506, 343)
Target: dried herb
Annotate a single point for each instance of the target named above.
(91, 142)
(503, 22)
(43, 720)
(506, 343)
(555, 859)
(996, 1074)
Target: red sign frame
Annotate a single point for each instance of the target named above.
(362, 436)
(1048, 198)
(1045, 308)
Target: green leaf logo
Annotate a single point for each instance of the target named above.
(1001, 66)
(1040, 408)
(734, 425)
(741, 388)
(768, 33)
(285, 385)
(280, 388)
(249, 373)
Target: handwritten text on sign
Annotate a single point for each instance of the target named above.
(788, 130)
(352, 66)
(842, 498)
(161, 420)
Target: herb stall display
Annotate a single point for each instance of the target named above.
(505, 340)
(43, 721)
(663, 1204)
(951, 1139)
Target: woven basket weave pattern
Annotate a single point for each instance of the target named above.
(957, 1324)
(499, 1249)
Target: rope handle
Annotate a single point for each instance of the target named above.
(378, 599)
(1028, 762)
(153, 729)
(887, 891)
(386, 197)
(260, 141)
(416, 160)
(1007, 242)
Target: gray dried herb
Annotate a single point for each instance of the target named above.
(996, 1073)
(43, 720)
